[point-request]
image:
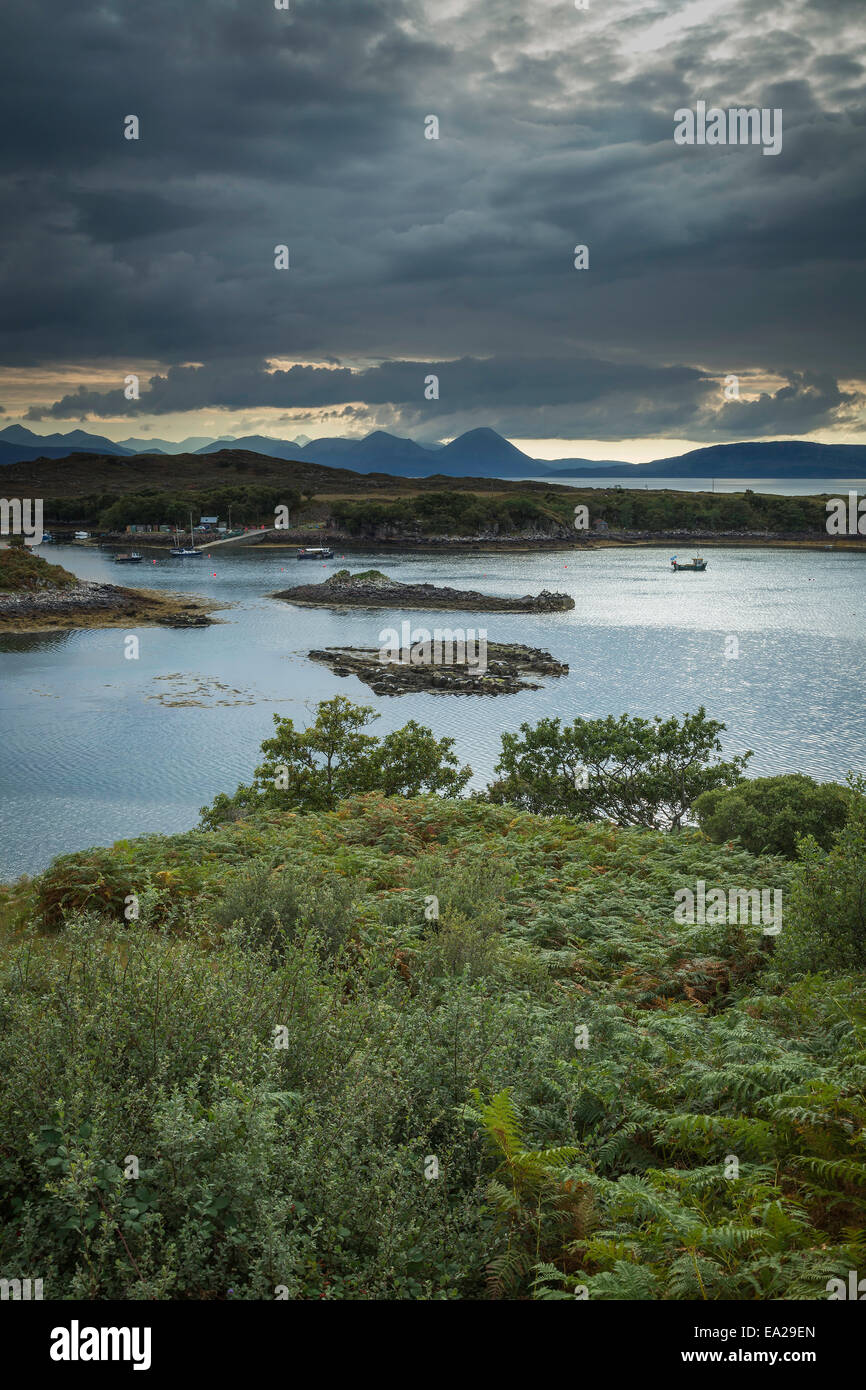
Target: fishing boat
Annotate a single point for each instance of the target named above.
(696, 564)
(131, 559)
(315, 552)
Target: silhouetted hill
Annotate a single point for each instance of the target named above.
(479, 453)
(18, 444)
(774, 459)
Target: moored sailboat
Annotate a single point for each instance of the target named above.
(179, 549)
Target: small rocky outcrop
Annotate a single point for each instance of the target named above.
(88, 604)
(507, 665)
(372, 589)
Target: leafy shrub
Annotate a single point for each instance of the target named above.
(629, 770)
(825, 923)
(101, 880)
(285, 904)
(767, 814)
(98, 880)
(315, 768)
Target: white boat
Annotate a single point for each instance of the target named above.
(315, 552)
(181, 550)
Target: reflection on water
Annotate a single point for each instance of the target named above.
(97, 747)
(33, 641)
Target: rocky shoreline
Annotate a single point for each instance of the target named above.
(567, 542)
(506, 666)
(371, 589)
(89, 604)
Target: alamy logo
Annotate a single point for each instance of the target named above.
(442, 647)
(740, 125)
(855, 1289)
(22, 518)
(737, 906)
(846, 520)
(76, 1343)
(20, 1290)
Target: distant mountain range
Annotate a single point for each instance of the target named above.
(18, 445)
(480, 453)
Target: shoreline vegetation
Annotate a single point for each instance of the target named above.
(335, 506)
(36, 596)
(510, 545)
(513, 545)
(367, 1038)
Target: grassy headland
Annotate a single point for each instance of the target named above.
(36, 596)
(24, 572)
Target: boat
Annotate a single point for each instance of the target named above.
(184, 549)
(131, 559)
(315, 552)
(82, 535)
(47, 538)
(696, 564)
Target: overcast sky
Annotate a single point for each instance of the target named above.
(411, 256)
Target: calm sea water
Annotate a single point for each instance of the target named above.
(97, 747)
(788, 487)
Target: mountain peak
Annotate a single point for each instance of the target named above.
(17, 434)
(485, 444)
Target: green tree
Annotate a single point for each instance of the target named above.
(629, 770)
(767, 814)
(313, 769)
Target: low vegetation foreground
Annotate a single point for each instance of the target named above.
(430, 1046)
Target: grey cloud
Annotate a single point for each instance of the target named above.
(535, 397)
(810, 401)
(464, 383)
(262, 127)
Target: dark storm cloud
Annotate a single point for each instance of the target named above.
(537, 397)
(466, 382)
(261, 127)
(810, 401)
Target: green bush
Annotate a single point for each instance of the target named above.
(313, 769)
(767, 814)
(630, 770)
(282, 905)
(825, 921)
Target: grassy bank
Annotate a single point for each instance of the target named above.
(478, 1058)
(24, 572)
